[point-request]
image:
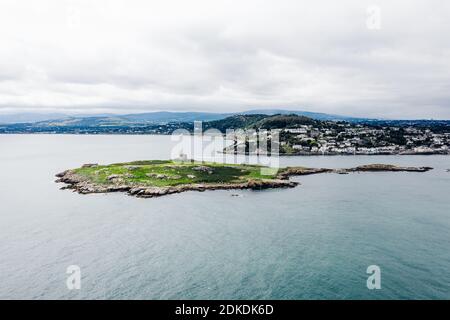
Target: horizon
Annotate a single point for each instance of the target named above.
(268, 111)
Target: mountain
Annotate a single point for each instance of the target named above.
(283, 121)
(260, 121)
(110, 119)
(34, 117)
(159, 117)
(126, 120)
(166, 117)
(29, 117)
(312, 115)
(239, 121)
(168, 122)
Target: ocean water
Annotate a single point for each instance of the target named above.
(310, 242)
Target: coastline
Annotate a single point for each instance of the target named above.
(328, 153)
(300, 153)
(83, 185)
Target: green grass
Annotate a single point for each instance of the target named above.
(175, 173)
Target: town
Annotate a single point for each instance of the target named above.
(361, 139)
(299, 135)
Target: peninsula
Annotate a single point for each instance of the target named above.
(153, 178)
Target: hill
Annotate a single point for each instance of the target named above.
(283, 121)
(260, 121)
(159, 117)
(312, 115)
(240, 121)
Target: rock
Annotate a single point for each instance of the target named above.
(90, 165)
(113, 176)
(191, 176)
(205, 169)
(157, 175)
(61, 174)
(134, 191)
(300, 171)
(162, 176)
(196, 187)
(175, 166)
(151, 192)
(270, 183)
(388, 167)
(131, 168)
(118, 188)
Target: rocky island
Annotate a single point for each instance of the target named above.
(153, 178)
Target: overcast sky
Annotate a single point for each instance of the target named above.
(213, 55)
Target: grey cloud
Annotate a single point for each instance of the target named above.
(220, 56)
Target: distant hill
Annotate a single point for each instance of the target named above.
(260, 121)
(239, 121)
(283, 121)
(166, 117)
(109, 119)
(312, 115)
(159, 117)
(130, 119)
(168, 122)
(29, 117)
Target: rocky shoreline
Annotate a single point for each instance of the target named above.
(331, 153)
(82, 185)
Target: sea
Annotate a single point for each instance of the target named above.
(315, 241)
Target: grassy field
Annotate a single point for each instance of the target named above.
(162, 173)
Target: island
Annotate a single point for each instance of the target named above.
(154, 178)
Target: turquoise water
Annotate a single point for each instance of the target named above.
(311, 242)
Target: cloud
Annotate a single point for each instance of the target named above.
(218, 55)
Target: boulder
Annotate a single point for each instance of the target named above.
(205, 169)
(157, 175)
(131, 168)
(389, 167)
(113, 176)
(90, 165)
(61, 174)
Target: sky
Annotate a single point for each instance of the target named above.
(385, 59)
